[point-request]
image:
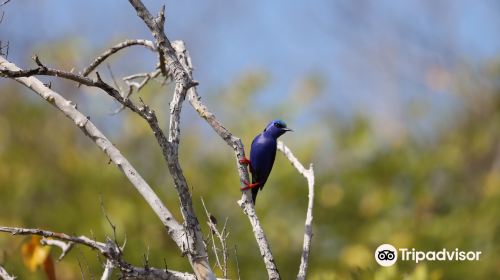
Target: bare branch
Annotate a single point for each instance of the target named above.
(138, 86)
(109, 250)
(309, 175)
(192, 242)
(64, 246)
(98, 82)
(197, 252)
(5, 275)
(212, 229)
(117, 86)
(83, 240)
(174, 62)
(148, 44)
(164, 47)
(113, 227)
(174, 229)
(146, 77)
(234, 142)
(4, 49)
(221, 236)
(108, 270)
(4, 2)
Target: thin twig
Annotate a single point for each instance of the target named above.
(148, 44)
(115, 82)
(146, 77)
(82, 273)
(211, 222)
(113, 227)
(236, 259)
(87, 265)
(138, 86)
(223, 238)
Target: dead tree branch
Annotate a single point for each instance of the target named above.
(110, 250)
(175, 63)
(198, 256)
(4, 2)
(221, 237)
(108, 270)
(174, 229)
(188, 237)
(64, 246)
(100, 59)
(234, 142)
(309, 175)
(146, 77)
(5, 275)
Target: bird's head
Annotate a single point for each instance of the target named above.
(276, 128)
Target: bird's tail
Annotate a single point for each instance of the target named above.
(254, 194)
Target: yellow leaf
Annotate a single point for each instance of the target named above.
(34, 254)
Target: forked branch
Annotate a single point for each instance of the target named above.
(234, 142)
(175, 63)
(174, 229)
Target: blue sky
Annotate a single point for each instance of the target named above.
(375, 56)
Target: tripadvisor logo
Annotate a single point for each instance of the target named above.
(387, 255)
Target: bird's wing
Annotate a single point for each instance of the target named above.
(262, 155)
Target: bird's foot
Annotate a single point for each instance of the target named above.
(244, 160)
(249, 186)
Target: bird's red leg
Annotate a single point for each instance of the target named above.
(244, 160)
(249, 186)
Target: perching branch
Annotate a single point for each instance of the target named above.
(188, 237)
(246, 201)
(309, 175)
(175, 63)
(110, 250)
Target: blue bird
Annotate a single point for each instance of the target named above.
(262, 154)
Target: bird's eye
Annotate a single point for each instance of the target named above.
(277, 124)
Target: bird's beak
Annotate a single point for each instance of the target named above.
(288, 129)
